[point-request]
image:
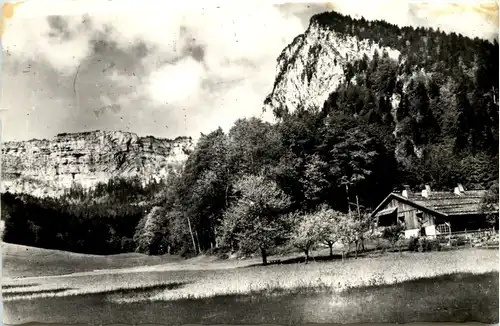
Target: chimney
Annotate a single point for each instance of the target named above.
(426, 192)
(461, 188)
(406, 191)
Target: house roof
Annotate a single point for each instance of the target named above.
(468, 202)
(386, 211)
(441, 203)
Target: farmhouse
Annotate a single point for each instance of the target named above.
(427, 212)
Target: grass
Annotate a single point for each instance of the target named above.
(434, 283)
(24, 261)
(459, 297)
(131, 290)
(200, 282)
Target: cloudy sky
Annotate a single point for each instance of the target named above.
(171, 69)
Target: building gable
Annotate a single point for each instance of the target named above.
(392, 196)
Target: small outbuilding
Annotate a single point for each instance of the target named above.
(420, 213)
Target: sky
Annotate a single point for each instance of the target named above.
(166, 68)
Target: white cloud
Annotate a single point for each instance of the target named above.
(176, 83)
(29, 39)
(237, 43)
(464, 17)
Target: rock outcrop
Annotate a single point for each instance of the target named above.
(312, 67)
(47, 167)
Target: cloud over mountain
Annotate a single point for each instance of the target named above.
(170, 69)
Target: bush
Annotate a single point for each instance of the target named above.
(417, 244)
(393, 233)
(221, 253)
(186, 250)
(459, 241)
(413, 244)
(431, 245)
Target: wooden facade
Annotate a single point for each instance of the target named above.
(421, 212)
(406, 213)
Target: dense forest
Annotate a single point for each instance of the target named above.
(97, 221)
(430, 117)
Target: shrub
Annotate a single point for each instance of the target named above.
(432, 245)
(459, 241)
(424, 244)
(221, 253)
(413, 244)
(393, 233)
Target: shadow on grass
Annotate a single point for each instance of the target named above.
(18, 286)
(145, 289)
(10, 295)
(372, 252)
(323, 258)
(141, 291)
(460, 297)
(431, 283)
(457, 297)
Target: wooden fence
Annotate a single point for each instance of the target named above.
(470, 238)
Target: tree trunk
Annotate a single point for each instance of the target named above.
(306, 252)
(216, 241)
(357, 204)
(330, 245)
(192, 236)
(348, 204)
(264, 256)
(356, 249)
(198, 240)
(227, 190)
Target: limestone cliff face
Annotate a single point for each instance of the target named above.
(312, 67)
(47, 167)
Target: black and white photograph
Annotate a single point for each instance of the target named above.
(249, 162)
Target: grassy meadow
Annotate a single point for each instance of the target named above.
(458, 297)
(456, 285)
(24, 261)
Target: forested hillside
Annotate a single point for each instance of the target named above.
(98, 221)
(428, 117)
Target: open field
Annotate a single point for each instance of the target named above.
(439, 285)
(456, 297)
(24, 261)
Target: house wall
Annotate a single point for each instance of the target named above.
(409, 214)
(468, 222)
(430, 231)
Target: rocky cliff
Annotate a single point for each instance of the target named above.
(422, 85)
(47, 167)
(313, 65)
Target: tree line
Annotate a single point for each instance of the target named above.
(429, 117)
(97, 221)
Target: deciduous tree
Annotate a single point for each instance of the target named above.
(257, 220)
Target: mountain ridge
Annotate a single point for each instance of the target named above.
(46, 167)
(402, 77)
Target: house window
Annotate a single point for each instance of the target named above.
(420, 219)
(385, 220)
